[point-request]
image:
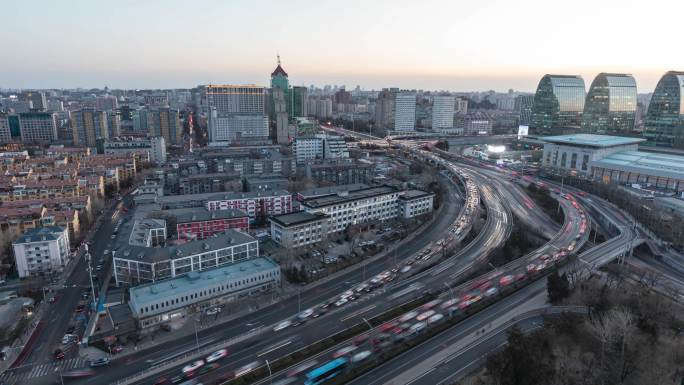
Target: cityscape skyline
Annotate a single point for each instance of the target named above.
(463, 47)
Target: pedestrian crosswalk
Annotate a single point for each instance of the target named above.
(27, 372)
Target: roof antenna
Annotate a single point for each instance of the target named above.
(278, 56)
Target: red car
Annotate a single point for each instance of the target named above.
(117, 349)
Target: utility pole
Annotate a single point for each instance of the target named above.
(196, 335)
(90, 276)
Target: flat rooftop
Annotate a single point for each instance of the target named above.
(592, 140)
(196, 214)
(414, 194)
(318, 191)
(651, 163)
(218, 241)
(190, 282)
(350, 196)
(298, 218)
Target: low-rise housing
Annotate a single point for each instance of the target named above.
(199, 223)
(299, 229)
(414, 203)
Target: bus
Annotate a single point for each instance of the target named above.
(325, 372)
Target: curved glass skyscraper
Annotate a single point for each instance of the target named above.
(558, 104)
(611, 104)
(665, 116)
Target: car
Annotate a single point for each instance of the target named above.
(78, 373)
(506, 280)
(67, 339)
(405, 269)
(305, 314)
(113, 236)
(282, 325)
(387, 326)
(190, 368)
(102, 361)
(344, 351)
(58, 354)
(341, 302)
(425, 315)
(431, 304)
(117, 349)
(213, 311)
(217, 355)
(52, 299)
(408, 316)
(418, 326)
(435, 318)
(360, 356)
(165, 327)
(449, 303)
(491, 291)
(361, 338)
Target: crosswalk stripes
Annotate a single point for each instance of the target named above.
(15, 377)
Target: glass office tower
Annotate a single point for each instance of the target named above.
(665, 115)
(558, 104)
(611, 103)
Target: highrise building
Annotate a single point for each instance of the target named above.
(113, 124)
(165, 122)
(664, 123)
(279, 80)
(558, 104)
(523, 106)
(38, 127)
(461, 106)
(299, 101)
(443, 112)
(610, 106)
(88, 125)
(236, 113)
(37, 99)
(280, 111)
(405, 111)
(5, 133)
(106, 103)
(384, 108)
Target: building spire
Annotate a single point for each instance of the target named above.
(278, 56)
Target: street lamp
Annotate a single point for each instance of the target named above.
(270, 374)
(196, 335)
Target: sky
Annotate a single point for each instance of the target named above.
(434, 45)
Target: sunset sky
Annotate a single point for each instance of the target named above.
(441, 45)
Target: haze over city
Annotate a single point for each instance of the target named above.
(325, 193)
(440, 45)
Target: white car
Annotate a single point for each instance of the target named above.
(192, 367)
(425, 315)
(435, 318)
(282, 325)
(405, 269)
(341, 302)
(305, 314)
(418, 326)
(217, 355)
(213, 311)
(66, 339)
(408, 316)
(449, 303)
(344, 351)
(491, 291)
(360, 356)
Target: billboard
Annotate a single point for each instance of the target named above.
(523, 131)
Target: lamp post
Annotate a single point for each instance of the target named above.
(196, 335)
(270, 374)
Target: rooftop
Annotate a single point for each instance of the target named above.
(297, 218)
(38, 234)
(348, 196)
(414, 194)
(219, 241)
(656, 164)
(190, 282)
(318, 191)
(593, 140)
(201, 214)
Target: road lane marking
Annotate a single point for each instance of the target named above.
(274, 348)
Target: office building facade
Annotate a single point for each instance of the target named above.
(610, 105)
(38, 127)
(166, 123)
(443, 107)
(41, 251)
(236, 113)
(558, 104)
(405, 112)
(89, 125)
(664, 123)
(5, 132)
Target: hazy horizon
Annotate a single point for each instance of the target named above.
(433, 45)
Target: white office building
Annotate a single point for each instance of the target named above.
(443, 112)
(160, 302)
(414, 203)
(405, 112)
(238, 128)
(322, 146)
(41, 250)
(154, 147)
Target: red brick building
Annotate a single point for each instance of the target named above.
(198, 223)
